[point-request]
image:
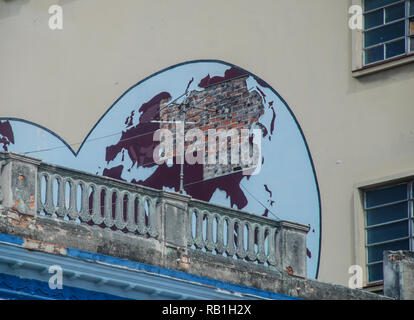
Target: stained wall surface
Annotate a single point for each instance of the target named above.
(356, 129)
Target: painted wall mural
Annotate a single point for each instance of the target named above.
(224, 96)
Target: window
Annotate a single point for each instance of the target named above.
(388, 224)
(388, 30)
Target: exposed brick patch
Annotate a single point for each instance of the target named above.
(37, 245)
(232, 106)
(184, 262)
(20, 220)
(289, 270)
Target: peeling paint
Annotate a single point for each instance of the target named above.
(289, 270)
(37, 245)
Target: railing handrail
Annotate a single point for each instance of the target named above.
(35, 187)
(234, 213)
(129, 186)
(78, 174)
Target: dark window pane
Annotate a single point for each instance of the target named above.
(375, 272)
(375, 252)
(373, 19)
(374, 54)
(387, 214)
(387, 232)
(386, 195)
(395, 12)
(373, 4)
(395, 48)
(412, 8)
(386, 33)
(412, 44)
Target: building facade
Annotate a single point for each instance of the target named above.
(328, 83)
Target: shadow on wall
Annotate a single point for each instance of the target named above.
(382, 78)
(10, 8)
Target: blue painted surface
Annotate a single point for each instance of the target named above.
(16, 288)
(95, 257)
(11, 239)
(177, 274)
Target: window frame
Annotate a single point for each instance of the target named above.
(409, 220)
(359, 68)
(405, 37)
(360, 238)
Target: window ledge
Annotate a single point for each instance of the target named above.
(375, 287)
(383, 65)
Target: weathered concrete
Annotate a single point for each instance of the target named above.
(40, 232)
(18, 183)
(399, 274)
(155, 227)
(33, 187)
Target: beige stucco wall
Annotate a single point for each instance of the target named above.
(301, 48)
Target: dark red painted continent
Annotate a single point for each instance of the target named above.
(138, 141)
(229, 74)
(6, 134)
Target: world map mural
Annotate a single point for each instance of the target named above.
(222, 97)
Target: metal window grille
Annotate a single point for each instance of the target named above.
(388, 224)
(388, 29)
